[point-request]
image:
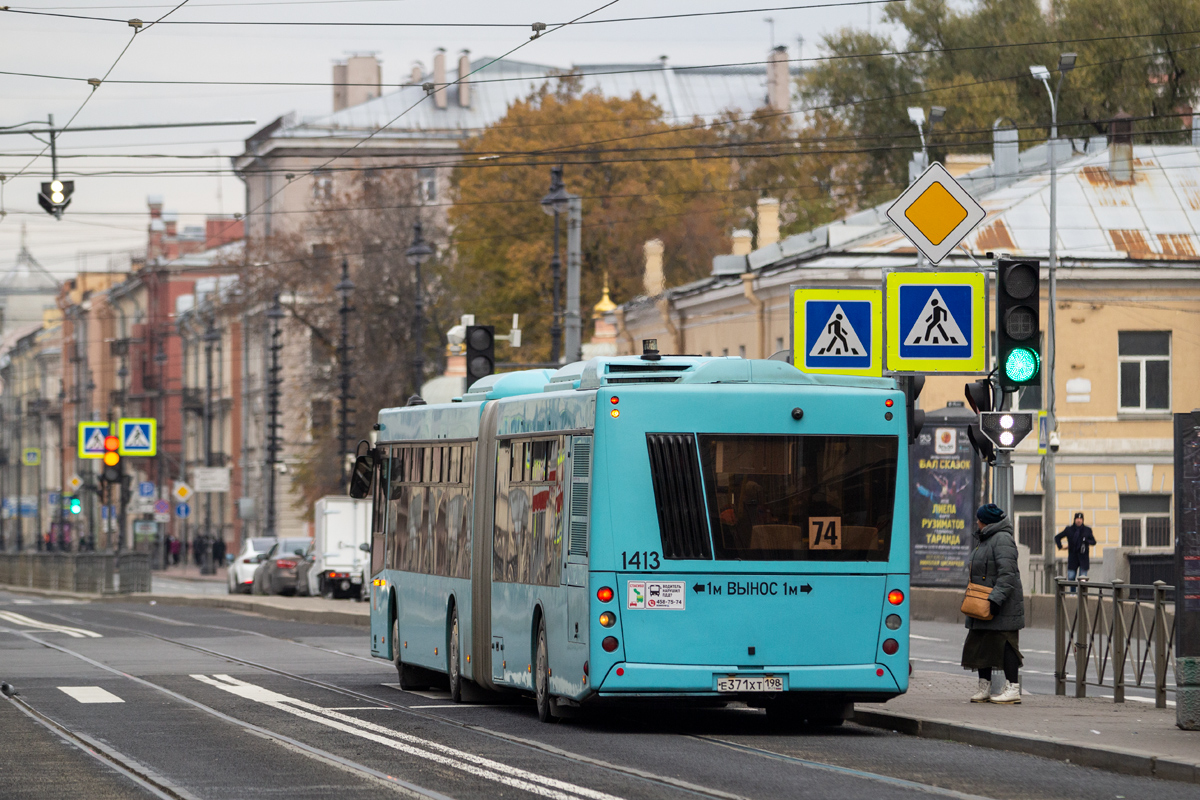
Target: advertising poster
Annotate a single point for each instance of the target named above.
(942, 505)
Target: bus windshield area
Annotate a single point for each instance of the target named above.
(799, 498)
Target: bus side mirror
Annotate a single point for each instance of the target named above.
(366, 548)
(360, 478)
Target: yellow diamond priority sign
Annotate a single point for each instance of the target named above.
(936, 213)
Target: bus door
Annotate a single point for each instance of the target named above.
(378, 594)
(575, 574)
(479, 669)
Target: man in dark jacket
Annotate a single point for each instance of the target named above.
(1079, 539)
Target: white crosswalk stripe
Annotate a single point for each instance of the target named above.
(28, 622)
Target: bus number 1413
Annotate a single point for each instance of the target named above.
(646, 559)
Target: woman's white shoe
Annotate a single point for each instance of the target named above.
(984, 693)
(1010, 696)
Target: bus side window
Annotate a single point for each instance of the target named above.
(397, 512)
(464, 541)
(455, 465)
(500, 529)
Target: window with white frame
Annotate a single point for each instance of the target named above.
(1145, 520)
(427, 184)
(1027, 508)
(1145, 371)
(322, 188)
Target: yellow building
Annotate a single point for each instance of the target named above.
(1128, 317)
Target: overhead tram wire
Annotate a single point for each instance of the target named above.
(341, 24)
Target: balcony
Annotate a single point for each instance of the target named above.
(193, 400)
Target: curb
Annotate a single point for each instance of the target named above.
(1125, 762)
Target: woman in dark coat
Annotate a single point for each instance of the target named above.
(994, 642)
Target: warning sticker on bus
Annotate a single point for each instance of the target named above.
(668, 595)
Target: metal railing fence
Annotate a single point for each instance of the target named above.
(92, 573)
(1112, 632)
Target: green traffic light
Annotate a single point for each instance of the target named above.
(1021, 365)
(76, 506)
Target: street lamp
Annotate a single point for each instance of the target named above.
(556, 203)
(1066, 62)
(417, 254)
(345, 288)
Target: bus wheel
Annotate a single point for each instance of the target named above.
(408, 676)
(541, 678)
(452, 668)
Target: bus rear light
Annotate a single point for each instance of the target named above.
(605, 595)
(879, 672)
(615, 413)
(614, 399)
(620, 671)
(895, 597)
(890, 646)
(609, 644)
(888, 403)
(585, 668)
(893, 622)
(608, 619)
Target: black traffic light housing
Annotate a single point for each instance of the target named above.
(1018, 353)
(981, 398)
(1006, 429)
(55, 196)
(912, 386)
(481, 352)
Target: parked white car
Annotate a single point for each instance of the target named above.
(241, 571)
(338, 562)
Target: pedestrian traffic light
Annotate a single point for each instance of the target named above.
(55, 196)
(1006, 428)
(112, 459)
(481, 352)
(1017, 323)
(74, 505)
(981, 399)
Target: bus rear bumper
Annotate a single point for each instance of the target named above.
(671, 679)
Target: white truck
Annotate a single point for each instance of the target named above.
(339, 562)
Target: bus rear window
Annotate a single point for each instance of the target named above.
(800, 498)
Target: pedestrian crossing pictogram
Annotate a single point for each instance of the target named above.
(935, 325)
(838, 337)
(138, 437)
(838, 331)
(91, 439)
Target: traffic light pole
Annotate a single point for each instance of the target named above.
(1002, 482)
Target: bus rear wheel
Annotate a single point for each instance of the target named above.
(453, 668)
(541, 677)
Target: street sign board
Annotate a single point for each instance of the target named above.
(141, 505)
(163, 517)
(161, 507)
(138, 436)
(210, 479)
(936, 213)
(837, 331)
(31, 456)
(91, 439)
(146, 489)
(182, 510)
(52, 498)
(936, 322)
(182, 491)
(74, 483)
(143, 527)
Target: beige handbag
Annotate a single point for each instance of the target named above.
(975, 602)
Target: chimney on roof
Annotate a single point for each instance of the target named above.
(1120, 148)
(439, 78)
(653, 280)
(742, 242)
(155, 202)
(418, 72)
(1005, 154)
(768, 221)
(779, 89)
(464, 87)
(356, 80)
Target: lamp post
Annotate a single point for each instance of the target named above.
(211, 337)
(555, 203)
(417, 254)
(160, 361)
(345, 289)
(1066, 62)
(275, 315)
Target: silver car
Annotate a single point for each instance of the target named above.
(241, 571)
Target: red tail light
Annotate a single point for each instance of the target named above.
(890, 646)
(285, 564)
(895, 597)
(605, 594)
(609, 644)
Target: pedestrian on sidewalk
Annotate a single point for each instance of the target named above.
(176, 547)
(219, 552)
(1079, 540)
(995, 642)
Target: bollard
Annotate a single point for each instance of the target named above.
(1060, 639)
(1082, 629)
(1120, 593)
(1160, 644)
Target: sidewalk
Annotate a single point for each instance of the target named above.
(1134, 738)
(190, 572)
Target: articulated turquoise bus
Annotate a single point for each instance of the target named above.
(638, 527)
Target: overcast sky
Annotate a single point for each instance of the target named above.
(108, 214)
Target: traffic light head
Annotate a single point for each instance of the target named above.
(76, 506)
(481, 352)
(55, 196)
(1018, 288)
(112, 459)
(1006, 428)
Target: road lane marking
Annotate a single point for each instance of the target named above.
(30, 622)
(90, 694)
(479, 766)
(925, 638)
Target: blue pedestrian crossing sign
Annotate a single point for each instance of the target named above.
(91, 439)
(837, 331)
(182, 510)
(139, 437)
(936, 322)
